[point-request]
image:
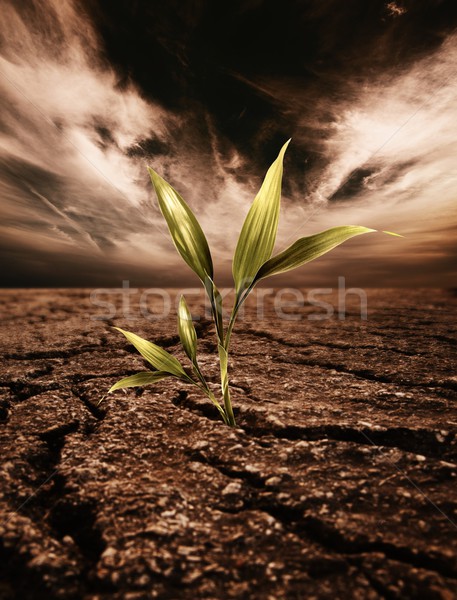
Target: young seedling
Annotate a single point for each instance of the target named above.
(252, 262)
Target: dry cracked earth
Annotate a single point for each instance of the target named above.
(339, 482)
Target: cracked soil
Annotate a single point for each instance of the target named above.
(339, 482)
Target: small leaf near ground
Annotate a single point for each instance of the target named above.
(158, 357)
(186, 330)
(139, 379)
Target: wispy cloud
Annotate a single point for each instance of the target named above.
(65, 133)
(387, 153)
(74, 142)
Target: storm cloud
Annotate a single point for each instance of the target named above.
(93, 92)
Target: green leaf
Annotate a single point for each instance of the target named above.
(186, 329)
(139, 379)
(187, 235)
(158, 357)
(309, 248)
(258, 235)
(223, 360)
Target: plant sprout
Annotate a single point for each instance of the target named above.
(252, 262)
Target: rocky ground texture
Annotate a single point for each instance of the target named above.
(339, 482)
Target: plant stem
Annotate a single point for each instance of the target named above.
(236, 308)
(223, 347)
(223, 360)
(223, 357)
(208, 392)
(222, 412)
(205, 389)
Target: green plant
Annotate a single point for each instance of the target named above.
(252, 262)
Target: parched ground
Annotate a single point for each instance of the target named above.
(340, 481)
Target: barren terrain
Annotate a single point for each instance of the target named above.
(340, 481)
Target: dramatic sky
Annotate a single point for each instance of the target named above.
(206, 93)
